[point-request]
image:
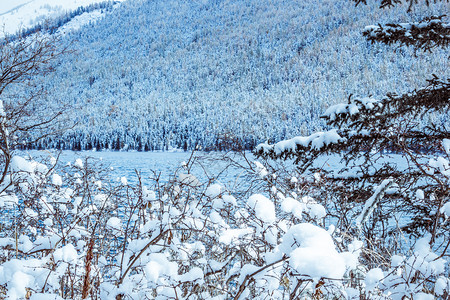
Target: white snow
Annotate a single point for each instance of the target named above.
(17, 286)
(290, 205)
(339, 109)
(8, 200)
(351, 109)
(189, 179)
(192, 275)
(230, 235)
(48, 222)
(264, 208)
(214, 190)
(420, 195)
(425, 260)
(152, 270)
(81, 20)
(229, 199)
(397, 260)
(317, 211)
(371, 27)
(317, 262)
(373, 278)
(2, 110)
(159, 266)
(304, 85)
(442, 284)
(315, 141)
(423, 296)
(148, 195)
(20, 164)
(56, 180)
(446, 145)
(20, 14)
(41, 296)
(312, 252)
(78, 163)
(372, 202)
(114, 223)
(440, 164)
(260, 169)
(67, 254)
(445, 209)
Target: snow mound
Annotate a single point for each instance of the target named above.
(264, 208)
(312, 252)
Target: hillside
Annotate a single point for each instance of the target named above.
(159, 74)
(25, 15)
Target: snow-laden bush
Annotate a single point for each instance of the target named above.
(77, 235)
(72, 232)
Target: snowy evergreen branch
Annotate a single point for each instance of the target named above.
(359, 113)
(392, 3)
(426, 35)
(366, 125)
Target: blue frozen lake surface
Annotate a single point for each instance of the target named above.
(209, 166)
(148, 164)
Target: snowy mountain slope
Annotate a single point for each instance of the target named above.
(158, 74)
(7, 7)
(21, 14)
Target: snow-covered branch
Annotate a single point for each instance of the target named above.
(427, 34)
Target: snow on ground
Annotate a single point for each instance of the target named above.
(20, 14)
(81, 20)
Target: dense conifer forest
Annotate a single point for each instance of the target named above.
(153, 75)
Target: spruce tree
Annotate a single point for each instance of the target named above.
(398, 145)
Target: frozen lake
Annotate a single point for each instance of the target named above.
(148, 164)
(208, 164)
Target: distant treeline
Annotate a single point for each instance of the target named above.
(121, 141)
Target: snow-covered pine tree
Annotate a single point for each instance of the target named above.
(394, 151)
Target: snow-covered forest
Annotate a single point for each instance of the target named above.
(158, 74)
(344, 196)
